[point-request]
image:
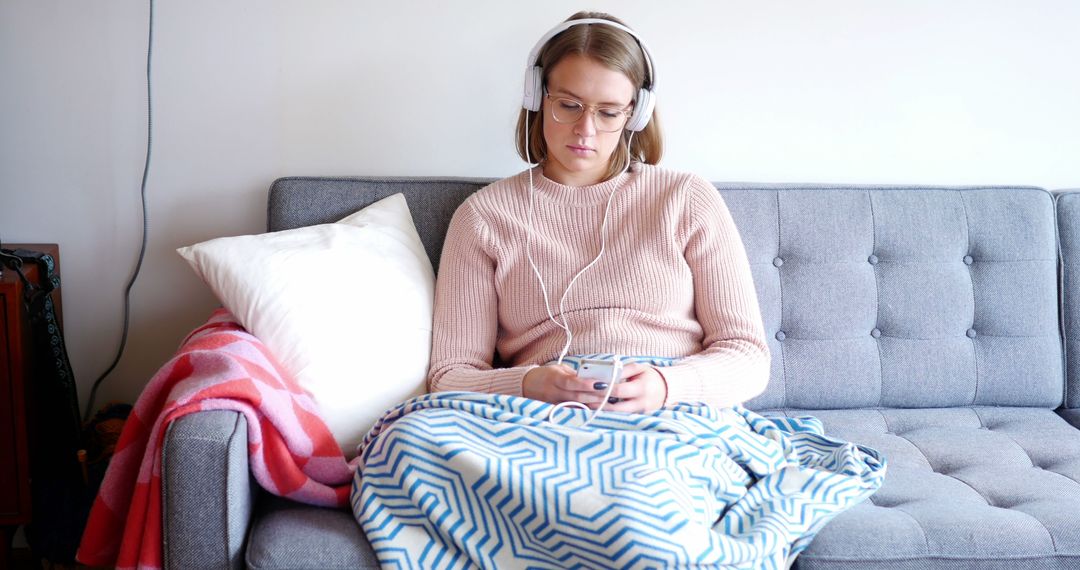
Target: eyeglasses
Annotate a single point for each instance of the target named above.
(606, 119)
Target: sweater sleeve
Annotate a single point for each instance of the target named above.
(465, 324)
(734, 363)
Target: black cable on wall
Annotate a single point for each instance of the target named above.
(145, 218)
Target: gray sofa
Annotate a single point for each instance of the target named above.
(928, 322)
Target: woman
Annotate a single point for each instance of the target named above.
(597, 250)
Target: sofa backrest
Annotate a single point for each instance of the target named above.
(871, 296)
(305, 201)
(905, 297)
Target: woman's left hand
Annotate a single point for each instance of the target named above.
(641, 390)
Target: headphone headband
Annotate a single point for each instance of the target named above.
(534, 74)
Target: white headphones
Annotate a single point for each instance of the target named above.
(534, 74)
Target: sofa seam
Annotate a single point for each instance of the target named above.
(877, 300)
(225, 490)
(974, 299)
(939, 557)
(982, 423)
(165, 555)
(902, 261)
(980, 493)
(889, 429)
(884, 418)
(1061, 301)
(939, 338)
(780, 294)
(918, 523)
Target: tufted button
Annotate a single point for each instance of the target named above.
(777, 262)
(968, 260)
(873, 259)
(876, 333)
(780, 335)
(971, 333)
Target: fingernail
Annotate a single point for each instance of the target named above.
(600, 386)
(613, 400)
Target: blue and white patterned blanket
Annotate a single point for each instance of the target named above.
(461, 479)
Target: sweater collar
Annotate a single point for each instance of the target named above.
(551, 191)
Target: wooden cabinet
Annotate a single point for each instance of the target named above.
(16, 377)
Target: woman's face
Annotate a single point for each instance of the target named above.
(578, 154)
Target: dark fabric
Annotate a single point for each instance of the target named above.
(60, 494)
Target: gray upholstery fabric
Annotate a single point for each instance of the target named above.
(206, 491)
(1071, 415)
(905, 297)
(967, 487)
(1068, 211)
(304, 201)
(292, 536)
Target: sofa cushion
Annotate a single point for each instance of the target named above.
(973, 487)
(290, 535)
(904, 297)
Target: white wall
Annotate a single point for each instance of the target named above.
(892, 91)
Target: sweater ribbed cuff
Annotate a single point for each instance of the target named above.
(720, 387)
(507, 380)
(667, 385)
(683, 384)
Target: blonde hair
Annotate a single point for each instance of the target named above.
(614, 49)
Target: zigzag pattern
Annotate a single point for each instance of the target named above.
(458, 480)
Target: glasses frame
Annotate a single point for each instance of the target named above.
(625, 112)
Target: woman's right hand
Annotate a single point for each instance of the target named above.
(555, 383)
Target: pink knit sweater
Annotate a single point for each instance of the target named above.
(674, 281)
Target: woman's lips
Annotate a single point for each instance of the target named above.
(579, 150)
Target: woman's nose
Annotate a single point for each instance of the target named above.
(586, 124)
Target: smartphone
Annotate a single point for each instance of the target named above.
(599, 369)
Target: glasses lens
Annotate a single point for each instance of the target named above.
(606, 119)
(609, 120)
(566, 110)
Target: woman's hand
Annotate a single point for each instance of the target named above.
(555, 383)
(641, 390)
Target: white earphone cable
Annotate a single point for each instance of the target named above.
(616, 369)
(529, 234)
(528, 245)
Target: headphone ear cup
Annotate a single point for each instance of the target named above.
(643, 109)
(533, 88)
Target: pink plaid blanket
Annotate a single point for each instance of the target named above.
(219, 366)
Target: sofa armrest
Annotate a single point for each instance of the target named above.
(207, 491)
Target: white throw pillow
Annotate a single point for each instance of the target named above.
(345, 307)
